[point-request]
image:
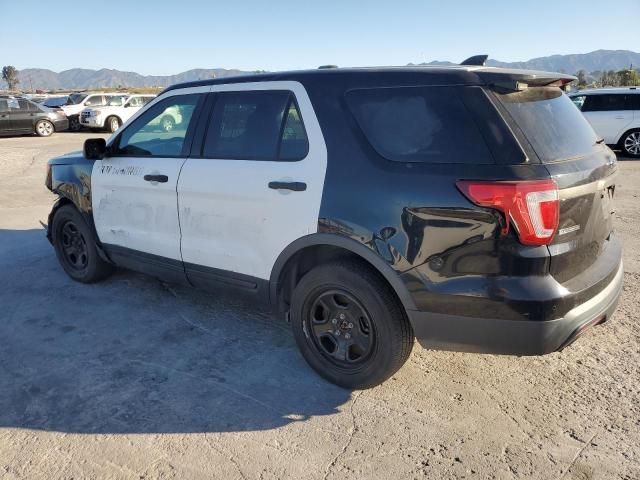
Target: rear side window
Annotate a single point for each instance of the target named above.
(419, 124)
(607, 103)
(552, 124)
(256, 125)
(4, 107)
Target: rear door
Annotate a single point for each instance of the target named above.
(584, 170)
(21, 116)
(134, 189)
(5, 119)
(609, 114)
(256, 184)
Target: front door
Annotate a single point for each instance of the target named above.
(5, 118)
(134, 195)
(256, 186)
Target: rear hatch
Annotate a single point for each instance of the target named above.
(551, 129)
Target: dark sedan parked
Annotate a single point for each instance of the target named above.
(19, 116)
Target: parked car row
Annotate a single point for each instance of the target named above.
(21, 116)
(614, 113)
(96, 111)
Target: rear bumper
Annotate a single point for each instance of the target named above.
(515, 337)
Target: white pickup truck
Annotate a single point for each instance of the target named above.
(117, 111)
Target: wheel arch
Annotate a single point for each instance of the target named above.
(625, 133)
(302, 254)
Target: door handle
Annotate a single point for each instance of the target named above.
(293, 186)
(156, 178)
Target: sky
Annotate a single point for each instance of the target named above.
(167, 37)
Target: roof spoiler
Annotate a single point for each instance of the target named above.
(476, 60)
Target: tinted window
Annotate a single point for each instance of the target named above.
(25, 105)
(250, 126)
(161, 130)
(4, 107)
(419, 124)
(605, 103)
(554, 127)
(76, 98)
(294, 144)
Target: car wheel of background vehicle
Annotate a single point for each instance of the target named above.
(349, 325)
(44, 128)
(630, 143)
(167, 123)
(74, 123)
(112, 123)
(75, 247)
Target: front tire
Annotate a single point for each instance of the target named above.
(75, 246)
(112, 124)
(44, 128)
(630, 143)
(349, 325)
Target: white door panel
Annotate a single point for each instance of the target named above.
(610, 124)
(133, 213)
(229, 217)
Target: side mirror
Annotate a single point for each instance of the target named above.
(95, 148)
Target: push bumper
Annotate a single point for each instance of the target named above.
(515, 337)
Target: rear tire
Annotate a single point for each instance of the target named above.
(630, 143)
(75, 246)
(44, 128)
(349, 325)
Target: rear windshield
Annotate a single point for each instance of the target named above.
(553, 125)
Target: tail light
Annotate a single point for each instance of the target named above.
(532, 206)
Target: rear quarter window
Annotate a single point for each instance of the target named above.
(551, 123)
(419, 124)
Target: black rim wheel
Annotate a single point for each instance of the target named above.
(339, 328)
(74, 247)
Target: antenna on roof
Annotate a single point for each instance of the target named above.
(478, 60)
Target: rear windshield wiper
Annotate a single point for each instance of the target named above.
(598, 142)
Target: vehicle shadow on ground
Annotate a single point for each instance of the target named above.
(132, 355)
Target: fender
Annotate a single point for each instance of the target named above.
(69, 177)
(349, 244)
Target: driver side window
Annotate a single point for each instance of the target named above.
(161, 130)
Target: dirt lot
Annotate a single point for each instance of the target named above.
(131, 378)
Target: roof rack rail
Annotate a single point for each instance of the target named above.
(478, 60)
(323, 67)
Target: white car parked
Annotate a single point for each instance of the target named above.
(614, 113)
(111, 116)
(79, 101)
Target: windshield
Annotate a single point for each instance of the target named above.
(76, 98)
(552, 124)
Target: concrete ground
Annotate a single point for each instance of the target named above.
(131, 378)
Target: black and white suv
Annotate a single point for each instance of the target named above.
(614, 113)
(470, 207)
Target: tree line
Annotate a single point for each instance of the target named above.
(622, 78)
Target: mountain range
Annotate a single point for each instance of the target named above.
(600, 60)
(81, 78)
